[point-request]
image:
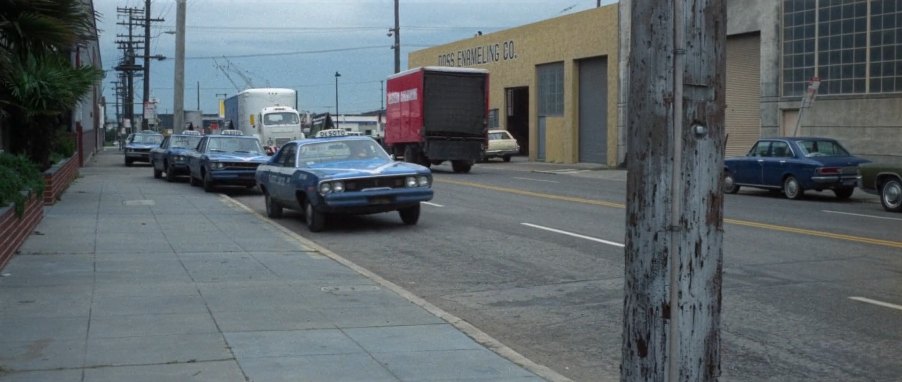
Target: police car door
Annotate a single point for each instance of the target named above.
(280, 178)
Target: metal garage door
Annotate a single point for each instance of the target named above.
(593, 110)
(743, 115)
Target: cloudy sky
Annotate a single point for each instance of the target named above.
(300, 44)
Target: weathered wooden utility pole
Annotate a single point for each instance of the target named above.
(674, 216)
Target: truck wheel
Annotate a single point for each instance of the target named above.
(461, 166)
(410, 215)
(507, 158)
(411, 154)
(316, 220)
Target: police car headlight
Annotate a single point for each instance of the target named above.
(217, 166)
(179, 158)
(325, 188)
(423, 181)
(338, 187)
(410, 181)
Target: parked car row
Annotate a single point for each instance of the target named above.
(792, 165)
(326, 176)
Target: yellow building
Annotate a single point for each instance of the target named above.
(553, 84)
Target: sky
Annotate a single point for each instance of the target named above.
(300, 44)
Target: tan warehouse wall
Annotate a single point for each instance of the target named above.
(511, 57)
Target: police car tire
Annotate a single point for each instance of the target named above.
(273, 208)
(410, 215)
(208, 183)
(316, 220)
(170, 174)
(194, 182)
(157, 174)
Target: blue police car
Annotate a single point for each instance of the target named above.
(342, 175)
(225, 159)
(138, 147)
(171, 156)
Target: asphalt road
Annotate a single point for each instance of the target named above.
(535, 260)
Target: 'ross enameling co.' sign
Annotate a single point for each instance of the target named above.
(483, 54)
(402, 96)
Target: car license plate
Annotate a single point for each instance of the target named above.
(380, 200)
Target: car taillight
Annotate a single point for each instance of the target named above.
(828, 170)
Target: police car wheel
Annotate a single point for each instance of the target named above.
(273, 208)
(194, 182)
(410, 215)
(208, 183)
(170, 174)
(316, 220)
(157, 174)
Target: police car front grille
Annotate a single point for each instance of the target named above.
(360, 184)
(240, 165)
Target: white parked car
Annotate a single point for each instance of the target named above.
(501, 145)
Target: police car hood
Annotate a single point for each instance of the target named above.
(238, 156)
(141, 145)
(363, 168)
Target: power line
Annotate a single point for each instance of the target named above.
(286, 53)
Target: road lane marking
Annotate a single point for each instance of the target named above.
(809, 232)
(537, 180)
(772, 227)
(574, 235)
(860, 215)
(433, 204)
(875, 302)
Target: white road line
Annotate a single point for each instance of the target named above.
(574, 235)
(433, 204)
(860, 215)
(875, 302)
(537, 180)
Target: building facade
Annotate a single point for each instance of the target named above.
(553, 84)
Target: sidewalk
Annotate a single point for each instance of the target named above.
(130, 278)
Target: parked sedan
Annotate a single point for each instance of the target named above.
(138, 147)
(886, 181)
(342, 175)
(793, 165)
(501, 145)
(171, 156)
(225, 160)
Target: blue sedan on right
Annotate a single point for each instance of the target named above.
(793, 165)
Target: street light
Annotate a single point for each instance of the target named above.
(337, 74)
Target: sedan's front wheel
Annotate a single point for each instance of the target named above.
(792, 189)
(891, 195)
(410, 215)
(316, 220)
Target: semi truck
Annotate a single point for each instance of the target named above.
(266, 113)
(436, 114)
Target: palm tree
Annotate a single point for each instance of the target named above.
(38, 84)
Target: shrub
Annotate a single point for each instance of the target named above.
(18, 174)
(62, 146)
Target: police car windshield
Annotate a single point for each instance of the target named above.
(184, 142)
(234, 144)
(341, 150)
(150, 139)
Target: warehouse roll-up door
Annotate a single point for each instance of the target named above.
(593, 110)
(743, 114)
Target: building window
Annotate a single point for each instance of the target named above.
(493, 119)
(550, 81)
(853, 46)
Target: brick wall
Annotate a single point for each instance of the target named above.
(14, 230)
(57, 179)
